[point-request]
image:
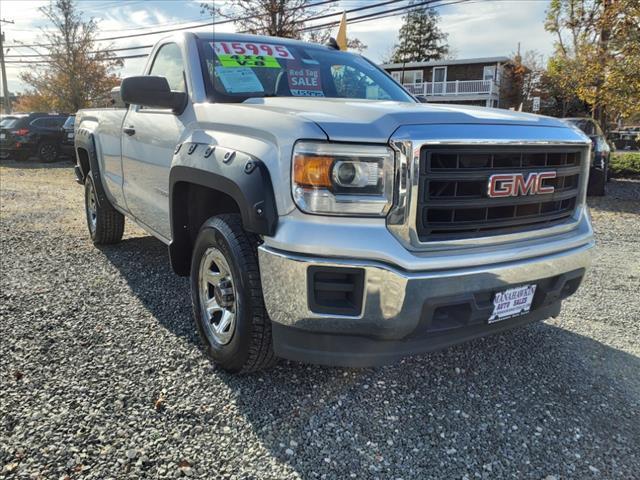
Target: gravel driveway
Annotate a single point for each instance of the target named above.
(102, 375)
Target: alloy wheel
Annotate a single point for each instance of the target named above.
(217, 296)
(91, 206)
(48, 152)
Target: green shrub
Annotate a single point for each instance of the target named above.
(625, 164)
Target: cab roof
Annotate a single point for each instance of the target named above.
(243, 37)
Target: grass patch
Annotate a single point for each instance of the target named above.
(625, 164)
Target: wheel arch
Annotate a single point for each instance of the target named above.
(87, 160)
(196, 195)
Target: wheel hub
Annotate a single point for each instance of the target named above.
(217, 296)
(223, 293)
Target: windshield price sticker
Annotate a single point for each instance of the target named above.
(251, 61)
(250, 48)
(239, 80)
(511, 303)
(305, 82)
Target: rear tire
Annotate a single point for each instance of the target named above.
(48, 152)
(226, 295)
(105, 223)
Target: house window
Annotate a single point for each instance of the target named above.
(409, 76)
(439, 77)
(439, 74)
(397, 76)
(489, 72)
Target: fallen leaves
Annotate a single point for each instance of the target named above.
(160, 403)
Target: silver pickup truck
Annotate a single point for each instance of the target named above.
(323, 214)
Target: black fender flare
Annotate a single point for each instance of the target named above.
(84, 140)
(243, 178)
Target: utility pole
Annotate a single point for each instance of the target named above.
(5, 86)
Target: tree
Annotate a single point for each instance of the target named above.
(276, 18)
(77, 73)
(420, 37)
(597, 56)
(322, 37)
(521, 80)
(33, 102)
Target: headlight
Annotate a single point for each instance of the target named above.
(342, 179)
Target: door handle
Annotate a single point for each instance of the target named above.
(129, 130)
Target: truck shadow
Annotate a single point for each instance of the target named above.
(623, 195)
(522, 395)
(34, 163)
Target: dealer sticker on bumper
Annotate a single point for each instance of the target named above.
(512, 302)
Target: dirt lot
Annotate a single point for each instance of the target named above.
(102, 377)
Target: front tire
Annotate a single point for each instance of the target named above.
(105, 223)
(226, 296)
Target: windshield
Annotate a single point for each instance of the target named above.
(69, 122)
(586, 125)
(235, 71)
(8, 122)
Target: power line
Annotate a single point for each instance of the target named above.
(156, 25)
(327, 15)
(47, 62)
(318, 17)
(38, 55)
(397, 14)
(359, 19)
(402, 9)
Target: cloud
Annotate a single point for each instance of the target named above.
(496, 28)
(113, 20)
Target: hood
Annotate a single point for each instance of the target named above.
(375, 121)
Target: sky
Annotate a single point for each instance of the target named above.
(476, 28)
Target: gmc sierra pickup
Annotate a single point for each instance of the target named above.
(323, 214)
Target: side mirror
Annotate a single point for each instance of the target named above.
(421, 98)
(151, 91)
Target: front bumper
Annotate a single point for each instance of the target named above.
(11, 149)
(405, 312)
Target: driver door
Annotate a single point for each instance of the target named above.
(149, 139)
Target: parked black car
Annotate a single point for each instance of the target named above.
(67, 139)
(5, 121)
(30, 134)
(600, 154)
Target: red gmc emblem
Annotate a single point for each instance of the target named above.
(515, 184)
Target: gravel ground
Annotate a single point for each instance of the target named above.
(102, 374)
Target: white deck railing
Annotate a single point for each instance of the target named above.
(458, 87)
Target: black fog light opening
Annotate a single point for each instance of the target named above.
(335, 290)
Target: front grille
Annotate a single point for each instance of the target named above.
(453, 200)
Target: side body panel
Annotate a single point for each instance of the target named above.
(105, 126)
(146, 160)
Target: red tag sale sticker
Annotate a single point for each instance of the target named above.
(305, 82)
